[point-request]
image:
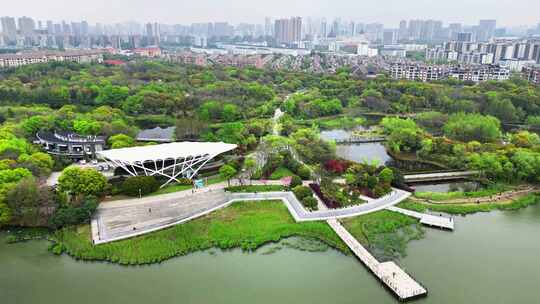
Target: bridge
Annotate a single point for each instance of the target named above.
(439, 176)
(356, 139)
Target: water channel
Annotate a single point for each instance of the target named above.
(490, 258)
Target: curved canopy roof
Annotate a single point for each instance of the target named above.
(167, 151)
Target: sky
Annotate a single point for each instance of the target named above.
(388, 12)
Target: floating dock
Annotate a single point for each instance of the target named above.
(427, 219)
(397, 280)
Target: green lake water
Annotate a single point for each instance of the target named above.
(490, 258)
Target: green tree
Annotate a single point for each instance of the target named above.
(227, 172)
(79, 181)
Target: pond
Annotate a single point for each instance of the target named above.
(357, 152)
(465, 186)
(490, 258)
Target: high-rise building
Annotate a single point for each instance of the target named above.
(268, 26)
(9, 29)
(50, 27)
(486, 30)
(464, 37)
(403, 30)
(27, 26)
(288, 31)
(390, 37)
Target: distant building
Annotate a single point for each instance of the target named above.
(532, 74)
(418, 72)
(479, 73)
(393, 51)
(70, 144)
(157, 134)
(151, 52)
(288, 31)
(17, 60)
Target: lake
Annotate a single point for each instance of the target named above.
(489, 258)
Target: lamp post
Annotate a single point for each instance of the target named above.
(140, 193)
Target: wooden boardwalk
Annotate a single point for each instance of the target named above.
(397, 280)
(427, 219)
(439, 176)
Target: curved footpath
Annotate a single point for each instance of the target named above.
(117, 220)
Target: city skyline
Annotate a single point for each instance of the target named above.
(388, 12)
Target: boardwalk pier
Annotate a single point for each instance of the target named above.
(397, 280)
(427, 219)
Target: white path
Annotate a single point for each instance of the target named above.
(123, 219)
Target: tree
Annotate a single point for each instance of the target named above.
(78, 181)
(468, 127)
(143, 185)
(30, 204)
(86, 126)
(121, 141)
(73, 215)
(227, 172)
(386, 175)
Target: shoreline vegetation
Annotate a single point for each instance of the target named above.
(472, 207)
(251, 225)
(247, 225)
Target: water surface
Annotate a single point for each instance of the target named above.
(490, 258)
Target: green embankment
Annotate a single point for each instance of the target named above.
(469, 208)
(247, 225)
(385, 233)
(441, 196)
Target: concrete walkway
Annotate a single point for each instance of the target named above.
(123, 219)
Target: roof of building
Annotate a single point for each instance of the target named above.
(167, 151)
(157, 134)
(60, 137)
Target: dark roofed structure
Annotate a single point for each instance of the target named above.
(157, 134)
(70, 144)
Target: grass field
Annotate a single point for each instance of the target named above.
(247, 225)
(440, 196)
(280, 173)
(469, 208)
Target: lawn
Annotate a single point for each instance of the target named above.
(443, 196)
(247, 225)
(280, 173)
(176, 188)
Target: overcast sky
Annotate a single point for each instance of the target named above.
(389, 12)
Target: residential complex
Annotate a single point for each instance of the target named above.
(16, 60)
(427, 72)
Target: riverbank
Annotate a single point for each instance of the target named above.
(480, 205)
(247, 225)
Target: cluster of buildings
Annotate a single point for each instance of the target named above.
(432, 72)
(513, 53)
(79, 56)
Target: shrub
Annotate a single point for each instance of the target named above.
(310, 202)
(146, 184)
(295, 181)
(301, 192)
(70, 215)
(304, 172)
